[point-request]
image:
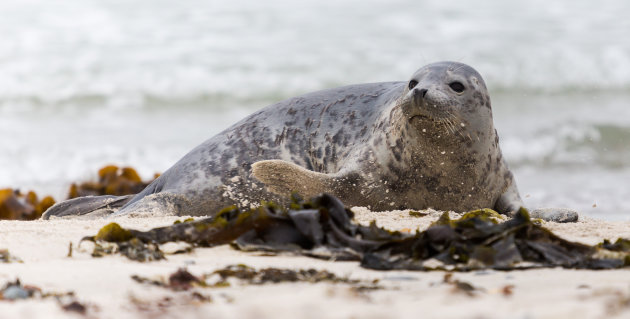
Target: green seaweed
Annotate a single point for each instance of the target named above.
(113, 233)
(414, 213)
(113, 239)
(228, 225)
(187, 220)
(444, 220)
(297, 202)
(133, 249)
(485, 214)
(622, 245)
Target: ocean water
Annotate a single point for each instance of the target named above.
(84, 83)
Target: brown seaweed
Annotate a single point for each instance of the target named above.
(184, 280)
(15, 205)
(276, 275)
(75, 306)
(112, 180)
(6, 257)
(177, 281)
(323, 227)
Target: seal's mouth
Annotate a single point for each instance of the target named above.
(421, 117)
(424, 112)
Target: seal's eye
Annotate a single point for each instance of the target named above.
(457, 87)
(412, 84)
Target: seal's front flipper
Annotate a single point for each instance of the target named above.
(558, 215)
(510, 202)
(105, 205)
(283, 178)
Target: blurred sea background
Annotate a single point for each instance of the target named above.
(85, 83)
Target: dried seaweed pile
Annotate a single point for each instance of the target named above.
(323, 227)
(16, 205)
(112, 180)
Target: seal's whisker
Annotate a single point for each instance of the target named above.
(457, 122)
(461, 130)
(460, 67)
(449, 129)
(452, 127)
(443, 122)
(453, 121)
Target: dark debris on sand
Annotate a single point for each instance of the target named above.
(177, 281)
(182, 280)
(323, 228)
(276, 275)
(13, 291)
(6, 257)
(113, 239)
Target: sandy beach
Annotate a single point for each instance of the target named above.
(106, 288)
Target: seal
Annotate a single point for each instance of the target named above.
(428, 142)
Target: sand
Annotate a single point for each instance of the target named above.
(105, 286)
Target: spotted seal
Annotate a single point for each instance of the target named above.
(426, 142)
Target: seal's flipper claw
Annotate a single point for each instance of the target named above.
(105, 205)
(283, 178)
(509, 202)
(558, 215)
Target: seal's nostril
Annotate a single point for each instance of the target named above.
(423, 92)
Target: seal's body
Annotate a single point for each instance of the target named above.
(427, 142)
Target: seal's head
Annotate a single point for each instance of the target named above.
(450, 96)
